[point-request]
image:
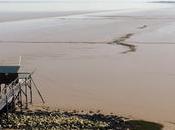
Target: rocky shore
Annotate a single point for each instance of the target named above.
(72, 120)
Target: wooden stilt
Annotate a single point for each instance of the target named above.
(0, 91)
(30, 88)
(38, 91)
(13, 101)
(26, 95)
(7, 110)
(20, 98)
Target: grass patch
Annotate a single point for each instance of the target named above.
(144, 125)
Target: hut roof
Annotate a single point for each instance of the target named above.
(9, 69)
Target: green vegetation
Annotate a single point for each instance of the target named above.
(144, 125)
(72, 120)
(62, 120)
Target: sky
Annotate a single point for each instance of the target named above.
(72, 5)
(66, 0)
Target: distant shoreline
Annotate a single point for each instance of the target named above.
(164, 2)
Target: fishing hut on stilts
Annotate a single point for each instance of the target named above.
(16, 89)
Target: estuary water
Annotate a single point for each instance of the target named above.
(77, 70)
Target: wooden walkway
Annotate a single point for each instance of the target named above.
(15, 91)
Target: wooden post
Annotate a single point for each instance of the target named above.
(13, 102)
(7, 110)
(20, 98)
(26, 95)
(30, 87)
(0, 91)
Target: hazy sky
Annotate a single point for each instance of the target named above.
(67, 5)
(79, 0)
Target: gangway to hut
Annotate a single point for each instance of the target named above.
(14, 86)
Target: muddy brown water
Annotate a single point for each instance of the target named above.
(138, 84)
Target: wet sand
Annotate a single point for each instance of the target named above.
(77, 69)
(7, 16)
